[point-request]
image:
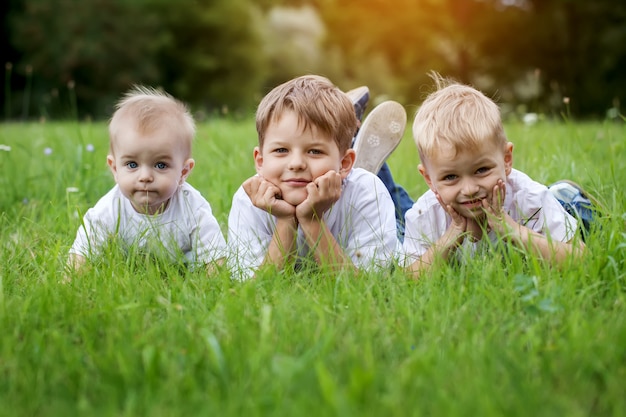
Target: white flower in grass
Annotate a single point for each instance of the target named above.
(72, 190)
(89, 147)
(47, 151)
(530, 119)
(5, 148)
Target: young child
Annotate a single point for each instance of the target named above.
(307, 201)
(475, 194)
(151, 206)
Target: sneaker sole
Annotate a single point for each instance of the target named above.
(379, 135)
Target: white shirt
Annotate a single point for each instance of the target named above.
(187, 226)
(362, 221)
(528, 202)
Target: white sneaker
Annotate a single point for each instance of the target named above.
(359, 97)
(379, 135)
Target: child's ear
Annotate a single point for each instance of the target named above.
(347, 162)
(508, 158)
(112, 166)
(258, 159)
(187, 167)
(422, 170)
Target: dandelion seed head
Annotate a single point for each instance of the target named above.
(565, 100)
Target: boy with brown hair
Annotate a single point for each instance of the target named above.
(307, 201)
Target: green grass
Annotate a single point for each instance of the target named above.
(502, 335)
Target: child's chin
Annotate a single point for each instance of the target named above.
(294, 199)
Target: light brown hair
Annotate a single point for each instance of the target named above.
(317, 102)
(148, 109)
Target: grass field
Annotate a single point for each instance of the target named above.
(494, 337)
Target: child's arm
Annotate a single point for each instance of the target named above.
(322, 194)
(504, 225)
(263, 194)
(445, 246)
(282, 245)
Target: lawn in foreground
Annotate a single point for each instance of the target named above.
(501, 335)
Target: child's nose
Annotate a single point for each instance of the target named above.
(470, 187)
(297, 161)
(145, 174)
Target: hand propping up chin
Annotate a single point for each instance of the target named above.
(266, 196)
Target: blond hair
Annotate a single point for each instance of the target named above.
(147, 110)
(456, 115)
(316, 102)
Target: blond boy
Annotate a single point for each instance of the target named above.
(475, 194)
(151, 207)
(307, 201)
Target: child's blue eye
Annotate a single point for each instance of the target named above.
(161, 165)
(132, 165)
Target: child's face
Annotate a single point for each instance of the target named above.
(149, 168)
(292, 157)
(464, 179)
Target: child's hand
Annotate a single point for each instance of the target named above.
(459, 223)
(322, 194)
(266, 196)
(496, 217)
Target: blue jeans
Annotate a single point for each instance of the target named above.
(401, 199)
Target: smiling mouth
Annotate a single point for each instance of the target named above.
(473, 203)
(297, 182)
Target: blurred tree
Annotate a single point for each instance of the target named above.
(407, 37)
(219, 54)
(580, 48)
(9, 56)
(292, 43)
(204, 52)
(99, 47)
(528, 51)
(211, 53)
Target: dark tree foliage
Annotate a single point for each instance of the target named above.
(82, 55)
(210, 53)
(213, 54)
(580, 48)
(88, 51)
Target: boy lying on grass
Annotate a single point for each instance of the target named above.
(306, 202)
(475, 195)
